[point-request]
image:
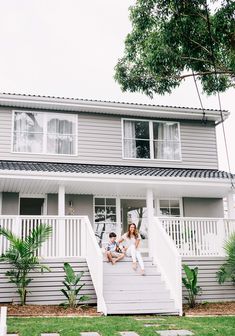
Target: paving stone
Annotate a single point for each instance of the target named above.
(152, 325)
(89, 333)
(12, 335)
(174, 332)
(51, 334)
(149, 319)
(128, 333)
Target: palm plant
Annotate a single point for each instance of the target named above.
(22, 257)
(190, 283)
(227, 270)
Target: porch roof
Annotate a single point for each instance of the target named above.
(28, 177)
(78, 168)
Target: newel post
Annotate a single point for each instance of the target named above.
(3, 321)
(150, 215)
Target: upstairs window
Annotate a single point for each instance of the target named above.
(44, 133)
(159, 140)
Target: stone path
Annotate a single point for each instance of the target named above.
(128, 333)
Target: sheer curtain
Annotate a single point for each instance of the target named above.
(166, 141)
(60, 136)
(28, 132)
(129, 139)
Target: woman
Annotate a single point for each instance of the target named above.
(132, 240)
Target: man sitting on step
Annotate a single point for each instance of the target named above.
(113, 251)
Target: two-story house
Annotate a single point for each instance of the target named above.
(90, 167)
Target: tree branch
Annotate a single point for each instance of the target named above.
(231, 73)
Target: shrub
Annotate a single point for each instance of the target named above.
(73, 288)
(227, 270)
(190, 283)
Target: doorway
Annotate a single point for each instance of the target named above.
(135, 211)
(31, 206)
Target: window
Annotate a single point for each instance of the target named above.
(105, 217)
(170, 207)
(151, 140)
(46, 133)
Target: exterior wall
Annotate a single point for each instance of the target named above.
(100, 141)
(45, 287)
(82, 205)
(203, 207)
(10, 203)
(52, 204)
(212, 291)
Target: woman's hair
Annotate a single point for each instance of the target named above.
(135, 233)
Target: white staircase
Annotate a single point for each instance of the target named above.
(125, 291)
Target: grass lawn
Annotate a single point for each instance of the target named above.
(108, 326)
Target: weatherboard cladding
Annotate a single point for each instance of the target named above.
(111, 170)
(100, 141)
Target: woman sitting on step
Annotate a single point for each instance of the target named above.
(132, 239)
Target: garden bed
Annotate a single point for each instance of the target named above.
(211, 308)
(203, 309)
(49, 310)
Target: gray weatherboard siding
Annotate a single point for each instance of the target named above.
(100, 141)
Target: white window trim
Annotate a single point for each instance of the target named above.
(44, 152)
(151, 141)
(158, 214)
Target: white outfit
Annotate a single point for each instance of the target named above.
(132, 251)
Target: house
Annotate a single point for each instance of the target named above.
(90, 167)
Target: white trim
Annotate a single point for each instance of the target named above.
(68, 104)
(44, 134)
(151, 140)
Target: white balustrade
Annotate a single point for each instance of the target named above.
(168, 260)
(94, 258)
(198, 236)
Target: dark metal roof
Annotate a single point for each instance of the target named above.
(105, 101)
(79, 168)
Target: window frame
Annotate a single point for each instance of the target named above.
(44, 134)
(169, 199)
(151, 140)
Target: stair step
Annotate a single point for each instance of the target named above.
(143, 311)
(144, 295)
(112, 279)
(140, 306)
(129, 259)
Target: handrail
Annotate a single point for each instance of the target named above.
(94, 259)
(168, 260)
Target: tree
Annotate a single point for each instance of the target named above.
(175, 39)
(22, 256)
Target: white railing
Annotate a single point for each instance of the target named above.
(198, 236)
(94, 259)
(3, 321)
(72, 236)
(167, 258)
(65, 240)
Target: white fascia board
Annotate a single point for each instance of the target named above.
(111, 178)
(110, 108)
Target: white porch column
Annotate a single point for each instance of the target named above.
(61, 200)
(61, 223)
(230, 204)
(118, 216)
(150, 215)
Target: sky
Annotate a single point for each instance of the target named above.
(69, 48)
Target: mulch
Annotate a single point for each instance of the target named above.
(203, 309)
(209, 308)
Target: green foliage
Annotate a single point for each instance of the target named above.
(71, 282)
(22, 257)
(190, 283)
(227, 270)
(170, 39)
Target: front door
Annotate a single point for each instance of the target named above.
(31, 206)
